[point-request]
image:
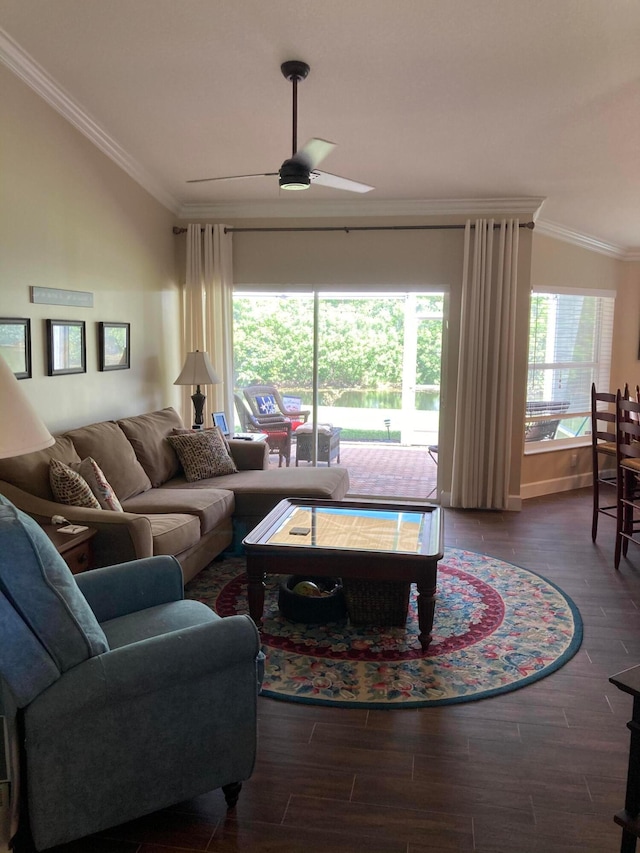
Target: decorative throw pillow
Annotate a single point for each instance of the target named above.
(202, 454)
(185, 431)
(266, 404)
(224, 439)
(69, 487)
(90, 471)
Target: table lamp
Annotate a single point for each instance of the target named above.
(197, 371)
(21, 429)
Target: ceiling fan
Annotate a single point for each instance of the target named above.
(300, 170)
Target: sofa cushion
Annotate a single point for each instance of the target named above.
(257, 492)
(30, 472)
(173, 533)
(93, 475)
(69, 486)
(40, 587)
(147, 434)
(202, 454)
(211, 505)
(108, 445)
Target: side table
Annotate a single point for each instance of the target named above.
(629, 818)
(250, 436)
(74, 548)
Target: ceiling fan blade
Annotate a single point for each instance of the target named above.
(313, 152)
(233, 177)
(324, 179)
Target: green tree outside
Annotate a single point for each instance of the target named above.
(360, 342)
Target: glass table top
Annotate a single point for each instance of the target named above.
(351, 528)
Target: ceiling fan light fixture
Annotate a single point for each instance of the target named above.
(294, 185)
(294, 176)
(296, 173)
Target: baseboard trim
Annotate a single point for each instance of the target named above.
(536, 490)
(514, 503)
(560, 484)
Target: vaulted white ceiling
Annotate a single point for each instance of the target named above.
(434, 102)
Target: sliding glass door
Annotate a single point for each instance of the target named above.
(368, 363)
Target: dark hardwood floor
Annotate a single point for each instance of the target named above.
(540, 769)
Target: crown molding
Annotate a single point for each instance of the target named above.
(28, 70)
(567, 235)
(307, 208)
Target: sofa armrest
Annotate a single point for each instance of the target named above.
(151, 666)
(128, 587)
(250, 455)
(120, 535)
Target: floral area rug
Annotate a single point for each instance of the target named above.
(497, 627)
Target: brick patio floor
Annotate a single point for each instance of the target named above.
(384, 470)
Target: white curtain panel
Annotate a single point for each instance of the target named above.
(208, 314)
(484, 399)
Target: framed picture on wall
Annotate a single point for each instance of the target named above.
(15, 345)
(220, 420)
(114, 346)
(66, 347)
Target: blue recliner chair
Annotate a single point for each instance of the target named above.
(119, 697)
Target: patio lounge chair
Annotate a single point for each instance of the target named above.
(276, 427)
(544, 429)
(266, 400)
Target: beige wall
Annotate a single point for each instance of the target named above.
(626, 341)
(71, 219)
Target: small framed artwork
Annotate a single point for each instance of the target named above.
(220, 420)
(66, 347)
(114, 346)
(15, 345)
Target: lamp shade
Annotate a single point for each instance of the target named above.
(197, 370)
(21, 429)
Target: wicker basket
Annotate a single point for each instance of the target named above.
(376, 602)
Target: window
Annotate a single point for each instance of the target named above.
(570, 336)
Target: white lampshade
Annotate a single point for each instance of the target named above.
(21, 429)
(197, 370)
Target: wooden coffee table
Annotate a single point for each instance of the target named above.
(366, 540)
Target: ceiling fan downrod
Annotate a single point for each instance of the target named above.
(295, 70)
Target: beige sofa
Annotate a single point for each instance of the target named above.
(162, 512)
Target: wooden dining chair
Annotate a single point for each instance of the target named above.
(603, 450)
(603, 453)
(628, 470)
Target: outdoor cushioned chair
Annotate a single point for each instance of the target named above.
(275, 427)
(539, 430)
(265, 400)
(120, 697)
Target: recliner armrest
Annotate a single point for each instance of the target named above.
(128, 587)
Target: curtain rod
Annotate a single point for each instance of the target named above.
(349, 228)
